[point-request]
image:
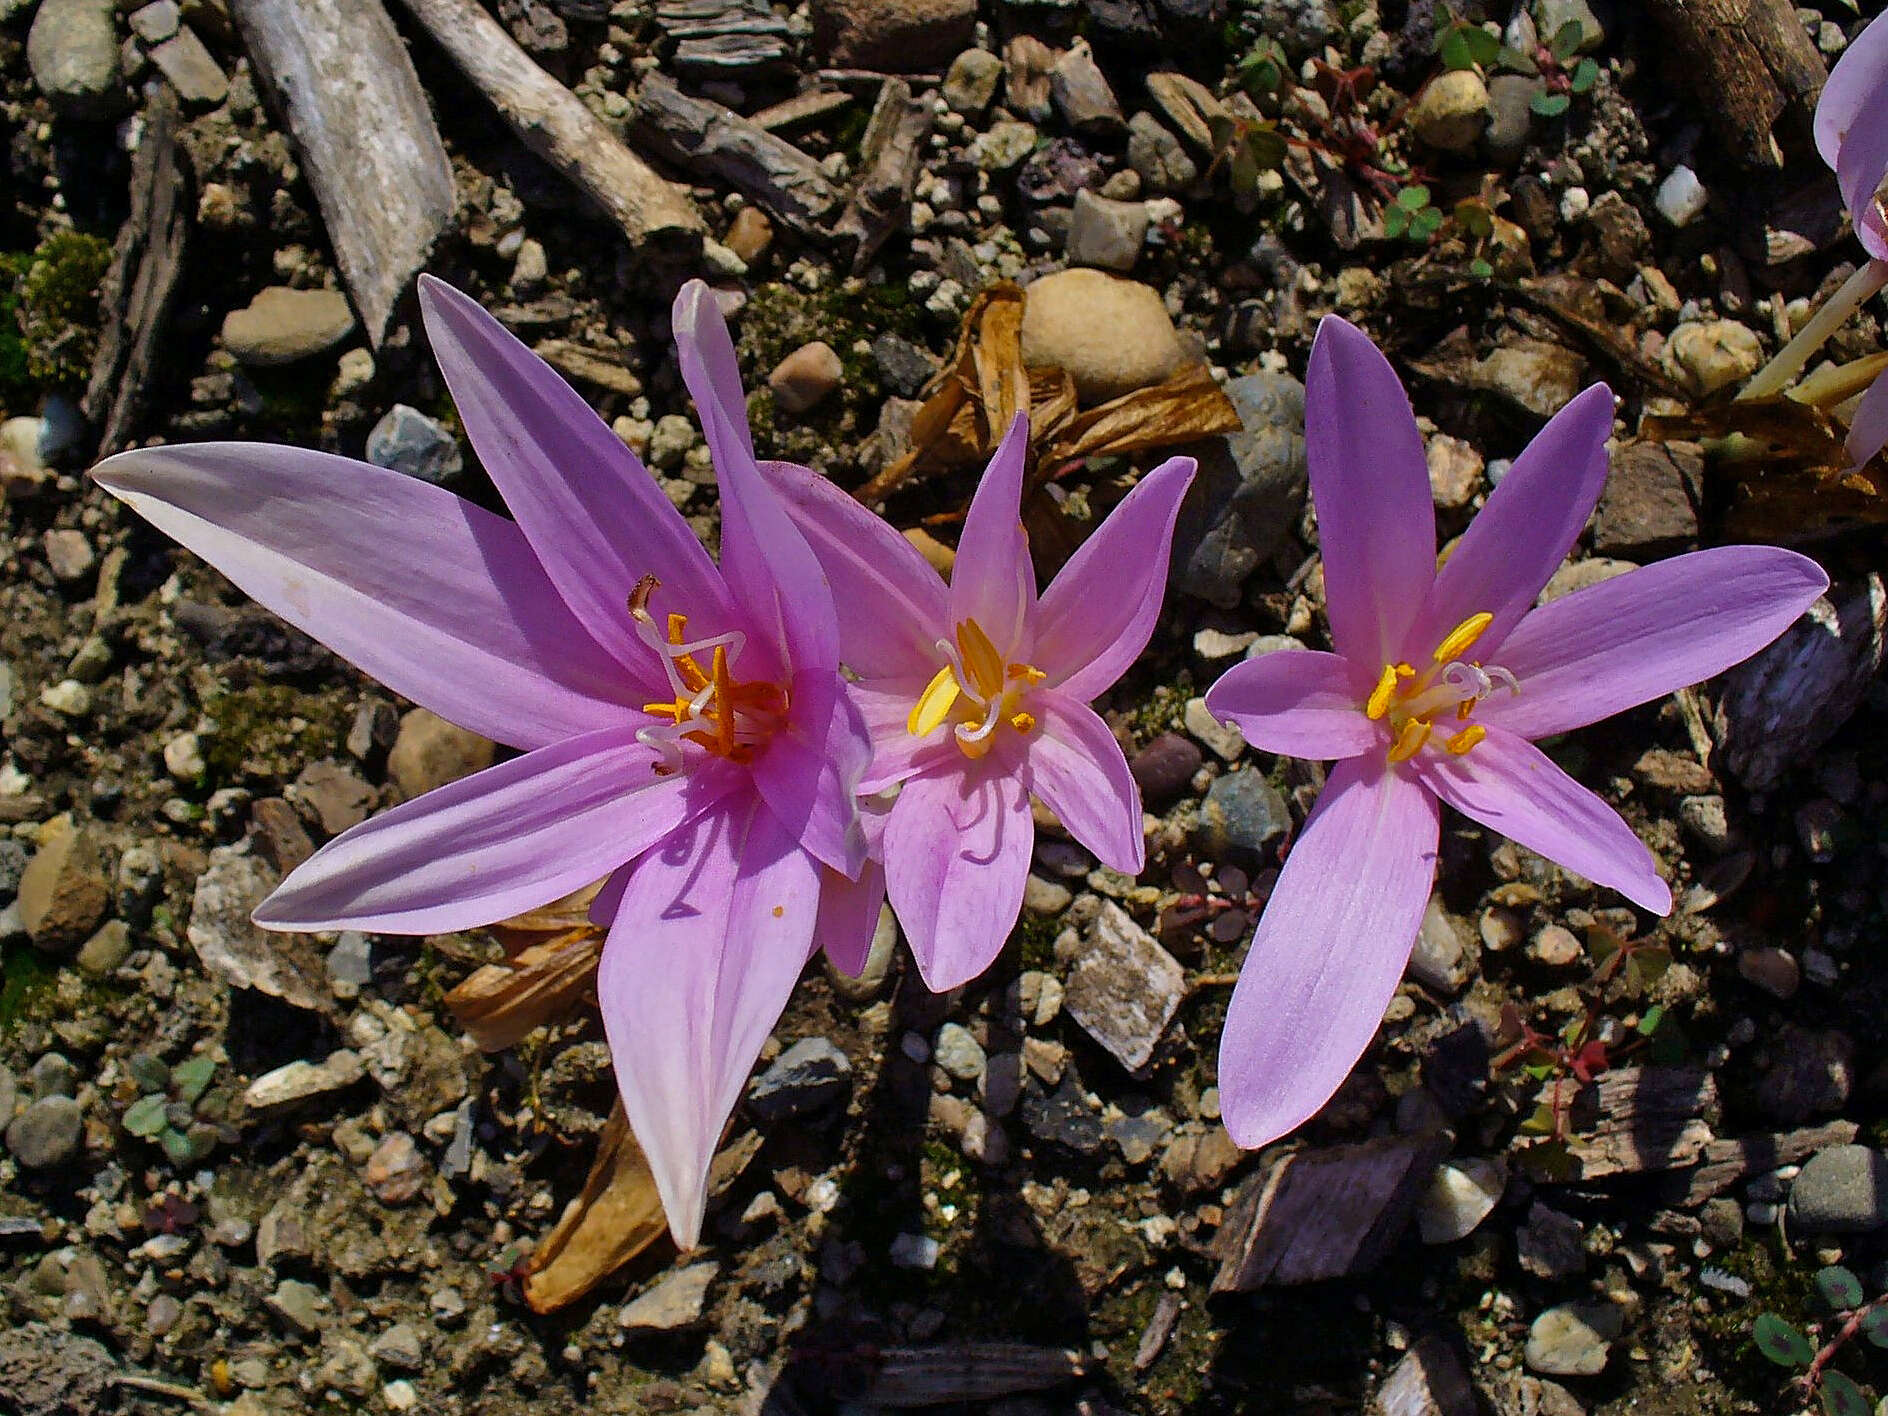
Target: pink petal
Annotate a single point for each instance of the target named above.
(809, 774)
(596, 519)
(769, 568)
(1859, 75)
(1296, 702)
(1868, 430)
(992, 580)
(1328, 951)
(1511, 786)
(1524, 532)
(713, 932)
(1077, 768)
(1097, 614)
(1647, 633)
(499, 842)
(893, 607)
(1862, 169)
(462, 620)
(1370, 484)
(848, 916)
(956, 858)
(886, 704)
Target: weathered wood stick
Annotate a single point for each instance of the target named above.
(340, 75)
(1748, 62)
(705, 137)
(890, 156)
(553, 122)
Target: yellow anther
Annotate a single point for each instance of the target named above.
(934, 704)
(1027, 672)
(1383, 694)
(724, 702)
(981, 660)
(1467, 738)
(1023, 722)
(1410, 740)
(1463, 635)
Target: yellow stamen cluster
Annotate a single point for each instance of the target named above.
(1407, 701)
(979, 688)
(711, 708)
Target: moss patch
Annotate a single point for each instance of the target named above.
(27, 979)
(56, 307)
(269, 731)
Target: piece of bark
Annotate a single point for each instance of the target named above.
(968, 1371)
(1431, 1380)
(499, 1004)
(801, 109)
(1725, 1162)
(1634, 1119)
(1320, 1214)
(1748, 63)
(718, 36)
(553, 122)
(346, 88)
(889, 159)
(705, 137)
(140, 287)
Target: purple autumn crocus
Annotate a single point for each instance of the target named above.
(976, 694)
(1440, 682)
(684, 727)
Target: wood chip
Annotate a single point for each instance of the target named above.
(1319, 1214)
(1634, 1119)
(1431, 1380)
(968, 1371)
(1725, 1162)
(890, 155)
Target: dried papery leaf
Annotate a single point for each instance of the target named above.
(1052, 402)
(1185, 408)
(499, 1004)
(559, 916)
(1833, 384)
(1002, 382)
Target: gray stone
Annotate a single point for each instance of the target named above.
(1081, 92)
(1573, 1339)
(239, 952)
(302, 1081)
(1430, 1380)
(1451, 110)
(1005, 143)
(809, 1075)
(1551, 1245)
(54, 1075)
(1164, 767)
(1248, 493)
(1124, 988)
(1806, 1072)
(970, 83)
(12, 865)
(299, 1304)
(1140, 1137)
(1158, 157)
(1681, 198)
(674, 1301)
(9, 1095)
(183, 60)
(1842, 1190)
(47, 1134)
(63, 892)
(1536, 376)
(1242, 814)
(958, 1053)
(406, 440)
(805, 377)
(282, 326)
(156, 23)
(72, 50)
(108, 947)
(69, 555)
(1106, 234)
(1462, 1195)
(1301, 27)
(1551, 15)
(1439, 961)
(1510, 114)
(400, 1347)
(1045, 898)
(350, 964)
(903, 367)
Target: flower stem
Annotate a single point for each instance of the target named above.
(1789, 361)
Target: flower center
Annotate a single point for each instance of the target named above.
(712, 709)
(1407, 702)
(978, 689)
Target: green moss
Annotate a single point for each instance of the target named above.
(57, 309)
(17, 390)
(1165, 708)
(269, 731)
(1035, 941)
(27, 983)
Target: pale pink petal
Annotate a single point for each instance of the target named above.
(1370, 484)
(1861, 171)
(1077, 768)
(499, 842)
(462, 620)
(1860, 74)
(893, 606)
(956, 858)
(1647, 633)
(1511, 786)
(848, 916)
(1097, 614)
(1524, 532)
(992, 580)
(809, 774)
(1868, 431)
(714, 929)
(1329, 949)
(1297, 702)
(705, 353)
(886, 705)
(595, 517)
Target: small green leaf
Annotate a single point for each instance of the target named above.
(1649, 1023)
(178, 1147)
(1267, 145)
(1875, 1326)
(1414, 197)
(1541, 1123)
(1566, 41)
(1395, 220)
(1780, 1342)
(1550, 105)
(1842, 1397)
(1668, 1046)
(1839, 1288)
(145, 1116)
(1585, 74)
(191, 1078)
(1455, 50)
(1223, 128)
(1475, 218)
(1424, 224)
(1651, 965)
(1514, 59)
(1480, 269)
(1483, 47)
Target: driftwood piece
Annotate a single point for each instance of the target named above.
(702, 136)
(1723, 1163)
(1322, 1214)
(140, 288)
(716, 36)
(1634, 1119)
(968, 1371)
(890, 156)
(552, 121)
(1747, 62)
(347, 91)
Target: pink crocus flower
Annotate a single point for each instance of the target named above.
(976, 694)
(685, 729)
(1852, 136)
(1440, 681)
